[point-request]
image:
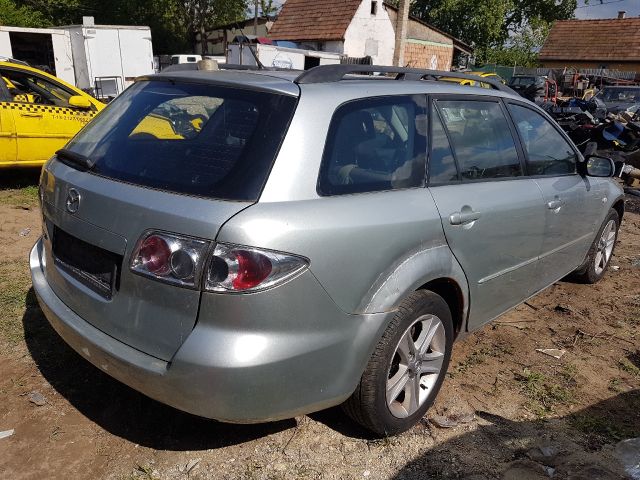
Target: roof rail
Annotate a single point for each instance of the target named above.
(335, 73)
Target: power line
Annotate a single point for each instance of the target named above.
(601, 3)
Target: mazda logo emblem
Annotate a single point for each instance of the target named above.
(73, 200)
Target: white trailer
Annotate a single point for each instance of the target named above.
(107, 58)
(280, 57)
(46, 48)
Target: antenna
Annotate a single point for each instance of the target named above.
(255, 55)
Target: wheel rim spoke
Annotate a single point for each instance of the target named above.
(397, 384)
(406, 348)
(430, 327)
(432, 362)
(413, 392)
(598, 261)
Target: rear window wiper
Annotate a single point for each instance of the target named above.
(73, 159)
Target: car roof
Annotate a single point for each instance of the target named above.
(264, 80)
(284, 82)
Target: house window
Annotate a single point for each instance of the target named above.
(374, 8)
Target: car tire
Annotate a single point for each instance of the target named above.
(384, 404)
(600, 253)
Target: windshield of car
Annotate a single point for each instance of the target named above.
(620, 94)
(202, 140)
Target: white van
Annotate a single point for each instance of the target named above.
(188, 58)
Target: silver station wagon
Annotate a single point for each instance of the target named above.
(250, 246)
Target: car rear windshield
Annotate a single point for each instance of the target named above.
(194, 139)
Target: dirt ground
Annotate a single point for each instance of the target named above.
(516, 413)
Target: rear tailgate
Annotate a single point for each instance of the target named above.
(88, 253)
(160, 157)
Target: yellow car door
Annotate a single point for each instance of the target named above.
(46, 113)
(7, 127)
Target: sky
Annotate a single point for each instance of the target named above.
(607, 8)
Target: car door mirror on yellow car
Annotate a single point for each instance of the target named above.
(79, 101)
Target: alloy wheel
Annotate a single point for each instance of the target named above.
(605, 247)
(416, 366)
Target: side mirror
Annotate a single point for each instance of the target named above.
(595, 166)
(78, 101)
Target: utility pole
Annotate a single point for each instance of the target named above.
(401, 33)
(255, 19)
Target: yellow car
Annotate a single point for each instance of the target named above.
(39, 114)
(474, 83)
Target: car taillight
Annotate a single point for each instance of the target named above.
(242, 269)
(181, 260)
(170, 258)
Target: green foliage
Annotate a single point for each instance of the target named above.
(20, 15)
(60, 12)
(521, 49)
(198, 16)
(174, 23)
(268, 8)
(495, 27)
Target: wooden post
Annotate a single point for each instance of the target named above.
(401, 33)
(255, 19)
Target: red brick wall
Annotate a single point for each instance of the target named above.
(417, 55)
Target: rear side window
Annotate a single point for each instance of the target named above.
(188, 138)
(547, 151)
(375, 144)
(442, 165)
(481, 139)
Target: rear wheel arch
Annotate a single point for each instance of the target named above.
(451, 292)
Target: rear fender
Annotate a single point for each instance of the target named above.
(415, 270)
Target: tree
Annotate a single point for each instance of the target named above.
(490, 24)
(268, 8)
(20, 15)
(174, 24)
(200, 16)
(521, 49)
(60, 12)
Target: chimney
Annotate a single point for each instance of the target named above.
(621, 14)
(88, 22)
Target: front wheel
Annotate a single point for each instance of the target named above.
(407, 368)
(601, 251)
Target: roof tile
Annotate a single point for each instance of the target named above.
(585, 40)
(310, 20)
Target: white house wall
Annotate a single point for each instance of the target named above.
(370, 35)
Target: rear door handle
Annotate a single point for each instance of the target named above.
(464, 217)
(555, 204)
(30, 114)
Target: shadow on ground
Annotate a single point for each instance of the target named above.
(19, 178)
(119, 409)
(578, 446)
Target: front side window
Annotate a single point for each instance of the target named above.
(195, 139)
(25, 87)
(481, 139)
(547, 151)
(375, 144)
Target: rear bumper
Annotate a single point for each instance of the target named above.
(257, 359)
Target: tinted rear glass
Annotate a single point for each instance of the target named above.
(194, 139)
